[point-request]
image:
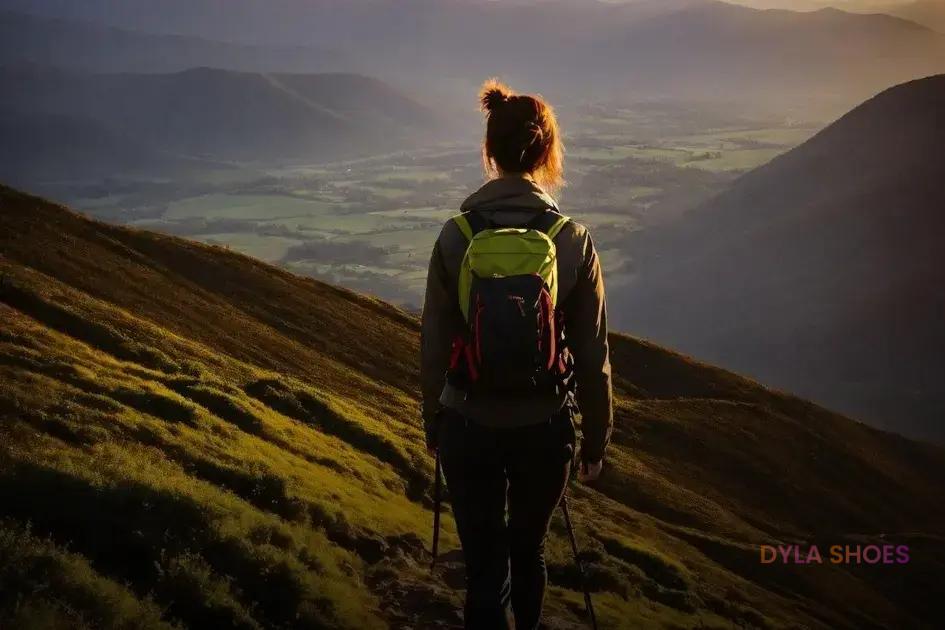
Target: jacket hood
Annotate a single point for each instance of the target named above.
(510, 193)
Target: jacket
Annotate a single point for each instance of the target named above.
(514, 201)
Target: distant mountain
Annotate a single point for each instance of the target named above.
(60, 147)
(693, 49)
(87, 46)
(822, 272)
(721, 50)
(190, 438)
(218, 114)
(931, 13)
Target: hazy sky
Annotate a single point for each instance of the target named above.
(807, 5)
(803, 5)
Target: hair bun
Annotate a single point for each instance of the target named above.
(493, 94)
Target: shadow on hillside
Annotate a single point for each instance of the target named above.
(306, 408)
(99, 336)
(64, 591)
(147, 537)
(218, 403)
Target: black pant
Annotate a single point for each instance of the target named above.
(484, 467)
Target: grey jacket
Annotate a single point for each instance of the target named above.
(515, 201)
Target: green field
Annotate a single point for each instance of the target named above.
(268, 248)
(252, 207)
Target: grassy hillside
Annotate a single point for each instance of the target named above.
(192, 438)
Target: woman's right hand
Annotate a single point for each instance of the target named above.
(590, 471)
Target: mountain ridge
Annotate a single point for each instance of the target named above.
(88, 46)
(611, 50)
(224, 115)
(927, 12)
(805, 257)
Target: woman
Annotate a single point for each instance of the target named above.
(504, 446)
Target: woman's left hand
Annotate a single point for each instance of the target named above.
(590, 471)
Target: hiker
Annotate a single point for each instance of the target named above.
(514, 342)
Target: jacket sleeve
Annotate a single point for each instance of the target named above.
(585, 312)
(436, 336)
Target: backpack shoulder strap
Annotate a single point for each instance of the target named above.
(471, 223)
(463, 224)
(549, 222)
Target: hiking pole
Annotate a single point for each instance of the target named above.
(588, 604)
(437, 496)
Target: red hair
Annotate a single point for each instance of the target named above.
(522, 136)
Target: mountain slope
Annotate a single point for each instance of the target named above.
(59, 147)
(195, 437)
(227, 115)
(720, 50)
(931, 13)
(821, 272)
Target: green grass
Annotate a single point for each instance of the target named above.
(784, 136)
(731, 160)
(65, 591)
(194, 481)
(422, 214)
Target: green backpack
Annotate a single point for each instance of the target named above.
(508, 295)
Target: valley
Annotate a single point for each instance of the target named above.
(369, 223)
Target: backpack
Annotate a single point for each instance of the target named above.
(508, 293)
